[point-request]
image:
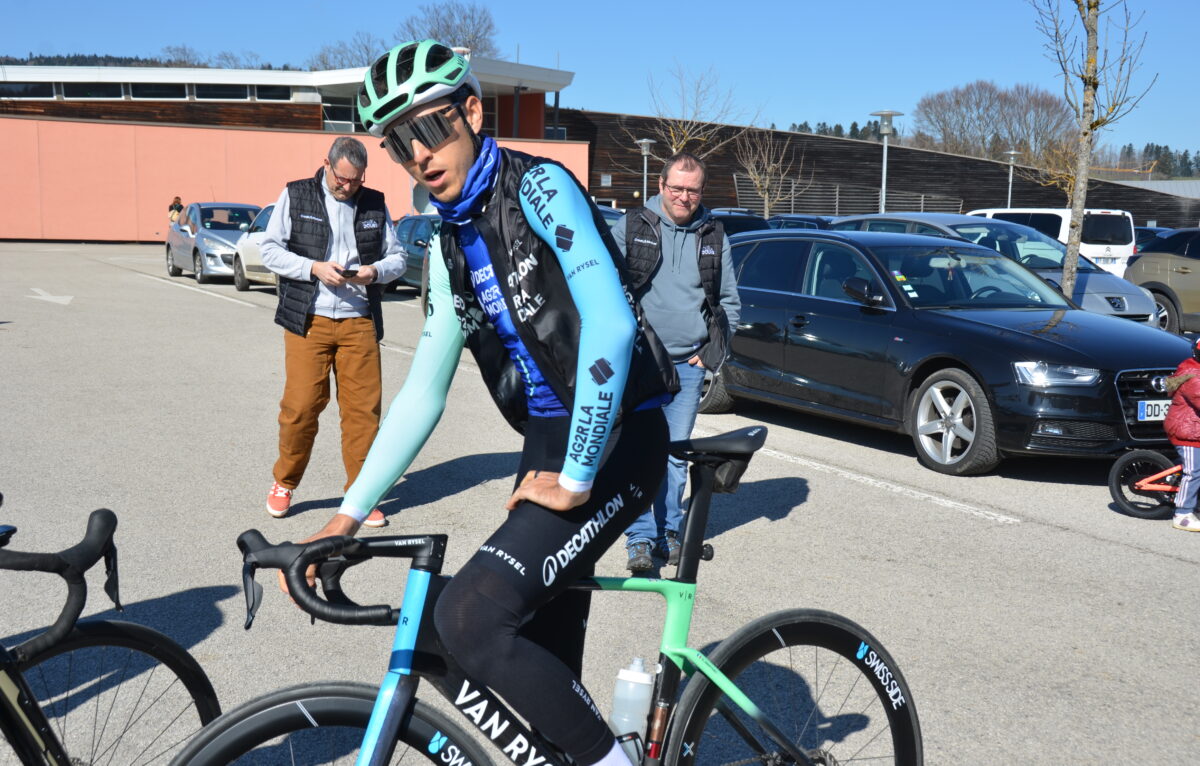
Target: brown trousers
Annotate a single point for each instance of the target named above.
(348, 349)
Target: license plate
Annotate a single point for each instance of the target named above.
(1155, 409)
(1105, 260)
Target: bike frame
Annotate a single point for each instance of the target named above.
(416, 652)
(22, 720)
(1152, 483)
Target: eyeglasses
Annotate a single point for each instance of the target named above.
(432, 130)
(683, 191)
(339, 181)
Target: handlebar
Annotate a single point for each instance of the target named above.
(332, 556)
(71, 565)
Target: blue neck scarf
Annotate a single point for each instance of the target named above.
(479, 180)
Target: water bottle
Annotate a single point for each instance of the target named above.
(631, 706)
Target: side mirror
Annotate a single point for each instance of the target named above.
(244, 227)
(860, 290)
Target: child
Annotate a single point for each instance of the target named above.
(1183, 428)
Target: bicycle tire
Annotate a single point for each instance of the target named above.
(120, 693)
(797, 666)
(324, 724)
(1135, 466)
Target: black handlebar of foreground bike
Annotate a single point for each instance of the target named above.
(71, 565)
(332, 556)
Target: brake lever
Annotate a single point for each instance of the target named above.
(253, 590)
(111, 581)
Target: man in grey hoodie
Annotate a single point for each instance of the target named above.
(678, 260)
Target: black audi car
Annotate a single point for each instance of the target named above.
(970, 353)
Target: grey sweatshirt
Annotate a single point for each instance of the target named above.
(673, 302)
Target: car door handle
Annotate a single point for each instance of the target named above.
(799, 321)
(1182, 270)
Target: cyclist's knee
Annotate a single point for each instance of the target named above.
(472, 622)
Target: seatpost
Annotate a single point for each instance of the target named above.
(703, 478)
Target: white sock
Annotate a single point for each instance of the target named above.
(615, 757)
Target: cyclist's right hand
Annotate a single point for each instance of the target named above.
(340, 524)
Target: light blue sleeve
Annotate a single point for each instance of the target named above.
(561, 216)
(422, 399)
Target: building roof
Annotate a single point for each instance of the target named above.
(1178, 188)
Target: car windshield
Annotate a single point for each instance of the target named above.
(1024, 244)
(965, 278)
(226, 218)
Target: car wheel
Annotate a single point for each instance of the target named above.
(951, 425)
(172, 269)
(198, 267)
(1165, 313)
(240, 283)
(714, 397)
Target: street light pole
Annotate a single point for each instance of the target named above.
(885, 129)
(645, 144)
(1012, 155)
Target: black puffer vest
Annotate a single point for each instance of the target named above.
(643, 256)
(539, 302)
(310, 238)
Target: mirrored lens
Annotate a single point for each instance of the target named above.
(430, 129)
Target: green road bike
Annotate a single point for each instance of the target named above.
(798, 686)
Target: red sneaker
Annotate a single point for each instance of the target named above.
(375, 519)
(279, 500)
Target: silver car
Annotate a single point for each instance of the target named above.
(247, 261)
(1095, 289)
(202, 240)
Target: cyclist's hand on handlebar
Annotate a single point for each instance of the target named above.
(542, 487)
(340, 524)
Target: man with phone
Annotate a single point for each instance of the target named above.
(332, 245)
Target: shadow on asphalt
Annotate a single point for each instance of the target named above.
(431, 484)
(188, 617)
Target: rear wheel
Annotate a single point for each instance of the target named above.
(714, 397)
(116, 692)
(951, 425)
(240, 283)
(172, 269)
(1166, 313)
(823, 681)
(198, 267)
(1131, 468)
(324, 724)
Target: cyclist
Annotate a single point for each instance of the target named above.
(527, 277)
(1183, 428)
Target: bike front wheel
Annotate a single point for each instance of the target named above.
(324, 724)
(116, 692)
(1131, 468)
(822, 680)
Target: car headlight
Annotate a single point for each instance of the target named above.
(216, 246)
(1042, 375)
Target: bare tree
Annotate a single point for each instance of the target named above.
(1096, 84)
(183, 56)
(243, 60)
(772, 167)
(982, 120)
(359, 50)
(693, 115)
(468, 25)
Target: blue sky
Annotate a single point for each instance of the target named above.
(786, 61)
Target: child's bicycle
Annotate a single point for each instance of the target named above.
(1143, 484)
(799, 686)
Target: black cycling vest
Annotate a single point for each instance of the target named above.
(643, 256)
(310, 238)
(539, 302)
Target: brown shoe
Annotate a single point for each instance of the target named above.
(279, 500)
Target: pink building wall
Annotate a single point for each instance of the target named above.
(102, 181)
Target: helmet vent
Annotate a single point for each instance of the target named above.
(390, 107)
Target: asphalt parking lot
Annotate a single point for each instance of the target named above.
(1033, 622)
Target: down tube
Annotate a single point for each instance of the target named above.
(399, 685)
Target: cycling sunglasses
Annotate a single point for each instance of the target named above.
(431, 130)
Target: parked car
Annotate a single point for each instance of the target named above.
(1169, 267)
(965, 350)
(203, 239)
(1143, 234)
(415, 232)
(610, 214)
(247, 258)
(1095, 289)
(798, 221)
(736, 219)
(1107, 236)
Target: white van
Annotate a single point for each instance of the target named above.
(1107, 237)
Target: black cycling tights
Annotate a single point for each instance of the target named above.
(496, 616)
